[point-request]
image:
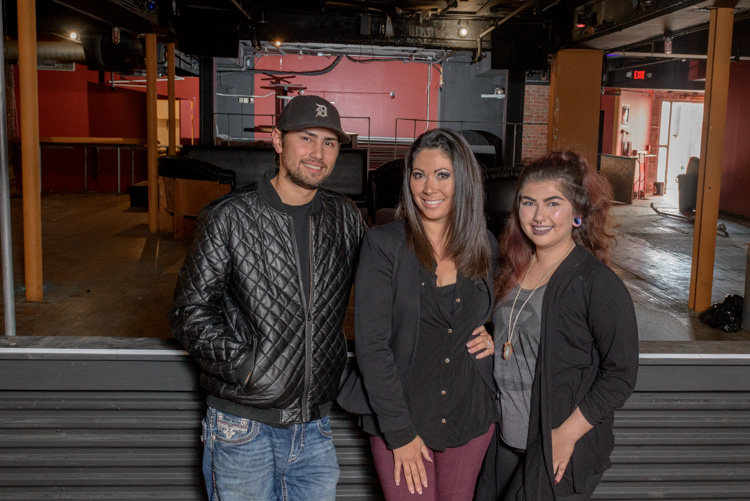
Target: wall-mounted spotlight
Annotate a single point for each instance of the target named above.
(150, 6)
(277, 43)
(499, 93)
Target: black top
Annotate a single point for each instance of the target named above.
(444, 381)
(387, 326)
(301, 219)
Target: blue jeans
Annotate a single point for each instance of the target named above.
(246, 460)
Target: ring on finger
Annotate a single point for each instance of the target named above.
(489, 344)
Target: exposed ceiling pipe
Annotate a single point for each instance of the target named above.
(242, 9)
(645, 55)
(489, 30)
(63, 52)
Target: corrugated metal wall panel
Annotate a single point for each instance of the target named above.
(106, 426)
(125, 426)
(684, 434)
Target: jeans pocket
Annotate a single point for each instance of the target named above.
(324, 427)
(234, 430)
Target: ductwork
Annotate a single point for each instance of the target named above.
(61, 52)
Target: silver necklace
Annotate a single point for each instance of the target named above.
(508, 346)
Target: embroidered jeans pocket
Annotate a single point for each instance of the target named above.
(235, 430)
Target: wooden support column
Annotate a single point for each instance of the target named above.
(151, 136)
(575, 100)
(31, 167)
(712, 146)
(171, 121)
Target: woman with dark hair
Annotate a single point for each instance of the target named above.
(423, 288)
(565, 329)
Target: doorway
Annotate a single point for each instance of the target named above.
(680, 130)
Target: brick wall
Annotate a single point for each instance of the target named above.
(535, 111)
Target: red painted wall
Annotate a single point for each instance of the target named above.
(76, 103)
(735, 173)
(81, 103)
(361, 90)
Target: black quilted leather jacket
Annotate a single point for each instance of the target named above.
(239, 307)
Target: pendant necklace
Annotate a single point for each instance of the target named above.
(508, 345)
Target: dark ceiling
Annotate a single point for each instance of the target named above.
(237, 28)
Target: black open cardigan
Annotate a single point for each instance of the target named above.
(588, 358)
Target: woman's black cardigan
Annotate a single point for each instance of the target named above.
(588, 358)
(386, 327)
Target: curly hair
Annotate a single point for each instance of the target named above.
(589, 193)
(466, 237)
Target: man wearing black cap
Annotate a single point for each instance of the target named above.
(259, 302)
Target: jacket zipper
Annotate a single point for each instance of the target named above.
(308, 317)
(308, 325)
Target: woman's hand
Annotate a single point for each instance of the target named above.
(410, 458)
(564, 441)
(482, 343)
(562, 450)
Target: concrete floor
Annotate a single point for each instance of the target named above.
(105, 275)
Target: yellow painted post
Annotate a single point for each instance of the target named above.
(151, 134)
(575, 101)
(172, 122)
(712, 146)
(31, 176)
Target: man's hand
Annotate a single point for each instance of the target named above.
(410, 458)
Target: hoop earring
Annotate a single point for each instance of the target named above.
(577, 222)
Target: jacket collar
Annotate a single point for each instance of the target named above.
(271, 197)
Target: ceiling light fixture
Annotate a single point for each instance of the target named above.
(73, 35)
(463, 31)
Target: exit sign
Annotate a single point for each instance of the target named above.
(638, 74)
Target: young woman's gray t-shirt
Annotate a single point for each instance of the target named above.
(515, 375)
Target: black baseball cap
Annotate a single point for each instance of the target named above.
(303, 112)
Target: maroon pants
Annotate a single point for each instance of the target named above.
(450, 477)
